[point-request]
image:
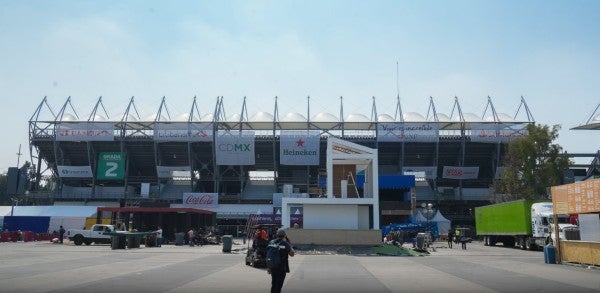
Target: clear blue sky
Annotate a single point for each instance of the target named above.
(546, 51)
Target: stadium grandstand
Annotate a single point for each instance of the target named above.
(247, 160)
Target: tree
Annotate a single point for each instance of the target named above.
(531, 165)
(4, 200)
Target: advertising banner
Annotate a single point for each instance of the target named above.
(427, 172)
(481, 132)
(111, 166)
(85, 131)
(75, 171)
(235, 147)
(455, 172)
(201, 200)
(408, 132)
(172, 171)
(276, 219)
(299, 148)
(183, 131)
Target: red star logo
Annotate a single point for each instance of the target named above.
(300, 143)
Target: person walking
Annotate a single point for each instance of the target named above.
(61, 232)
(463, 241)
(450, 238)
(159, 236)
(278, 273)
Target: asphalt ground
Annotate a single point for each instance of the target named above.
(47, 267)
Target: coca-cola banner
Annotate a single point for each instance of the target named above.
(299, 148)
(497, 132)
(183, 131)
(235, 147)
(455, 172)
(85, 131)
(201, 200)
(408, 132)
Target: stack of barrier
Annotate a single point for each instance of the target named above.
(27, 236)
(46, 236)
(9, 236)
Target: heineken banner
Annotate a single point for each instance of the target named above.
(455, 172)
(172, 171)
(408, 132)
(235, 147)
(85, 131)
(111, 166)
(74, 171)
(299, 148)
(428, 172)
(481, 132)
(183, 131)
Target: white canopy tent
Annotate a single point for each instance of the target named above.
(442, 223)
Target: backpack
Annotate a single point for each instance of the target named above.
(273, 256)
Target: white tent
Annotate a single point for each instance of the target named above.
(442, 223)
(419, 218)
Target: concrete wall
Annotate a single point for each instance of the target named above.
(334, 237)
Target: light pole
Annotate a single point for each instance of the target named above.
(428, 209)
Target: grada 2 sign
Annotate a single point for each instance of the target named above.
(111, 166)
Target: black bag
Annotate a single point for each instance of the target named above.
(273, 256)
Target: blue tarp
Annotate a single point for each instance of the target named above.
(390, 181)
(26, 223)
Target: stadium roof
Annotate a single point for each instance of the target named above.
(261, 120)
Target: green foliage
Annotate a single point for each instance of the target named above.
(531, 165)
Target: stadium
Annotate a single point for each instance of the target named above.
(246, 163)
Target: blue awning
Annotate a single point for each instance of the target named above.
(390, 181)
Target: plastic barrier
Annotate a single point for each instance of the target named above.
(549, 254)
(27, 236)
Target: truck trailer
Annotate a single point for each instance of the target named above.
(525, 223)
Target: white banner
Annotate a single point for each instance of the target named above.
(172, 171)
(429, 172)
(455, 172)
(75, 171)
(481, 132)
(201, 200)
(183, 131)
(408, 132)
(235, 147)
(85, 131)
(299, 147)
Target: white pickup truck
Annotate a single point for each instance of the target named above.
(95, 234)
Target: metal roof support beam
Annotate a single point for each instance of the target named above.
(432, 109)
(493, 109)
(528, 113)
(92, 117)
(398, 113)
(163, 104)
(61, 113)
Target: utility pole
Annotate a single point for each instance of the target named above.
(19, 156)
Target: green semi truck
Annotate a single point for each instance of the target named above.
(525, 223)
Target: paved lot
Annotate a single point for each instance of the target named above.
(46, 267)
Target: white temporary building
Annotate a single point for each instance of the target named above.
(70, 217)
